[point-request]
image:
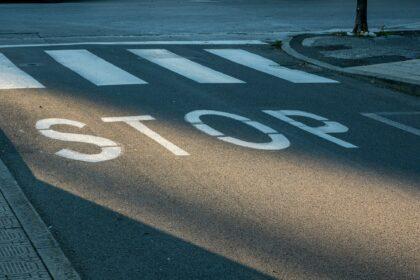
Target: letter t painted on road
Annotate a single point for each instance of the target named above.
(136, 122)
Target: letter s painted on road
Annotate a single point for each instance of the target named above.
(109, 149)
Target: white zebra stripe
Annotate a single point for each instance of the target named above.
(11, 77)
(184, 67)
(94, 68)
(267, 66)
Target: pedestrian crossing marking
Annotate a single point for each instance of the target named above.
(185, 67)
(93, 68)
(267, 66)
(11, 77)
(102, 73)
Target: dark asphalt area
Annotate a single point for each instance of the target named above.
(208, 19)
(315, 210)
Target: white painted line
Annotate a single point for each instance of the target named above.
(94, 68)
(136, 123)
(132, 43)
(397, 113)
(392, 123)
(267, 66)
(11, 77)
(184, 67)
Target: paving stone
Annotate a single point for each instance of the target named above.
(13, 235)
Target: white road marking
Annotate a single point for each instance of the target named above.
(278, 141)
(267, 66)
(94, 68)
(109, 149)
(132, 43)
(184, 67)
(135, 122)
(11, 77)
(323, 131)
(377, 117)
(397, 113)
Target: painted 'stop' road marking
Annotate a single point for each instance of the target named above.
(184, 67)
(11, 77)
(267, 66)
(94, 68)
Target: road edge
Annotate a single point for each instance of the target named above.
(401, 85)
(44, 243)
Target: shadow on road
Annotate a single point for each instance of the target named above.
(104, 244)
(113, 246)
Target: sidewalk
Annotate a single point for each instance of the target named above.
(27, 249)
(392, 58)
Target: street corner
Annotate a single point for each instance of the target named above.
(344, 49)
(387, 56)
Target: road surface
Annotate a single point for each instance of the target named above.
(193, 19)
(209, 160)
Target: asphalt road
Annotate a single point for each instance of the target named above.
(281, 201)
(252, 189)
(252, 19)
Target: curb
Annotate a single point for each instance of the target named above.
(402, 85)
(47, 248)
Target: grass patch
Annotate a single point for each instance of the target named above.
(367, 35)
(383, 33)
(339, 33)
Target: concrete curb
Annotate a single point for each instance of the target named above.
(407, 86)
(40, 238)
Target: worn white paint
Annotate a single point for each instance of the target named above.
(404, 127)
(278, 141)
(136, 122)
(396, 113)
(329, 127)
(94, 68)
(184, 67)
(11, 77)
(109, 149)
(267, 66)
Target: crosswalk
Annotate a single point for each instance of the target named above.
(94, 68)
(11, 77)
(184, 67)
(101, 72)
(267, 66)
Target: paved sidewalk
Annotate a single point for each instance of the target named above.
(27, 249)
(390, 57)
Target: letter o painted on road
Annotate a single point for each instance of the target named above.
(278, 140)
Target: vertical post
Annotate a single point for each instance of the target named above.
(361, 24)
